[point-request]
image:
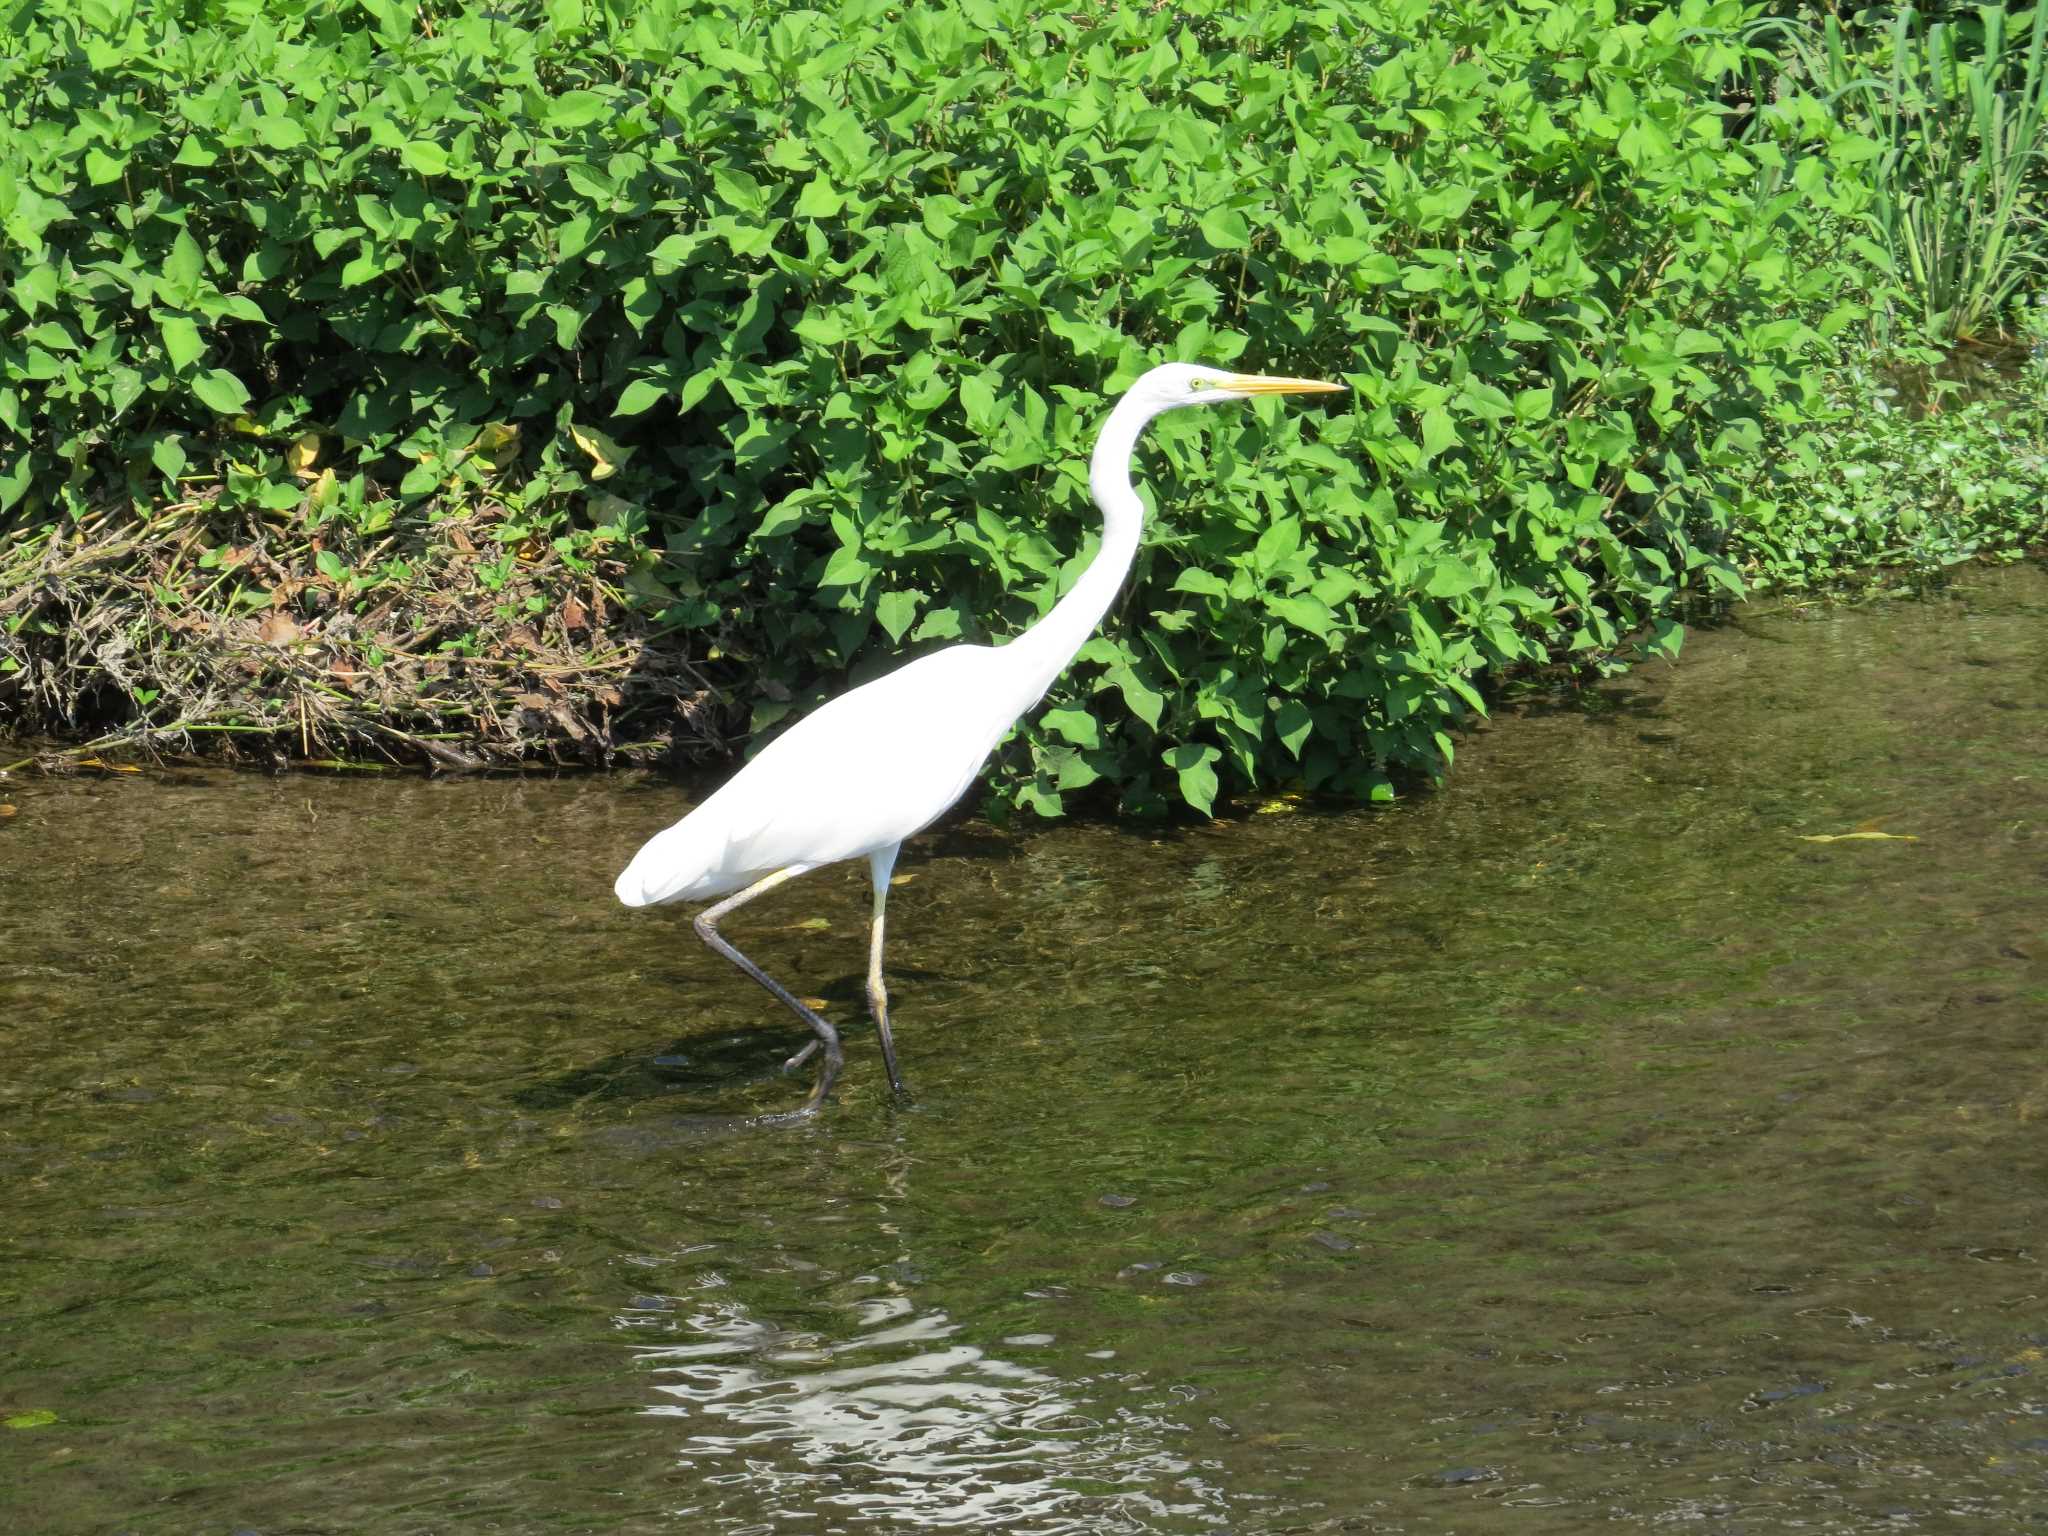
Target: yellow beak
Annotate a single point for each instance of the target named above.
(1266, 384)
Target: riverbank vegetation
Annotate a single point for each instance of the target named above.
(569, 383)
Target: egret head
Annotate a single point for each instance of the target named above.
(1176, 384)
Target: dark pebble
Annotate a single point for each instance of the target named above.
(547, 1202)
(400, 1264)
(1332, 1241)
(651, 1304)
(1783, 1394)
(1320, 1187)
(481, 1271)
(1345, 1213)
(1186, 1277)
(1143, 1266)
(1450, 1477)
(1118, 1202)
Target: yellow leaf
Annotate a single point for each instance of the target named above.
(498, 442)
(303, 454)
(1857, 837)
(6, 810)
(605, 455)
(320, 494)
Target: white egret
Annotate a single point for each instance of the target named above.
(875, 765)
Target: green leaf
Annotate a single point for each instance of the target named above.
(1292, 724)
(978, 400)
(1197, 777)
(34, 1418)
(221, 391)
(365, 266)
(897, 611)
(697, 386)
(1075, 725)
(1040, 796)
(819, 200)
(182, 270)
(14, 482)
(168, 455)
(36, 289)
(1450, 577)
(280, 133)
(575, 109)
(846, 568)
(1438, 432)
(1305, 613)
(639, 396)
(181, 341)
(939, 624)
(425, 157)
(1144, 701)
(1226, 229)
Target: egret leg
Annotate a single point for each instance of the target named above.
(880, 863)
(706, 924)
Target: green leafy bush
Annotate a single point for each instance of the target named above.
(1895, 480)
(809, 316)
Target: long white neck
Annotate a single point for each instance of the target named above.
(1042, 652)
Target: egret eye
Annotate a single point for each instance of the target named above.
(1198, 383)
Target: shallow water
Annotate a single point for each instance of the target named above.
(1577, 1147)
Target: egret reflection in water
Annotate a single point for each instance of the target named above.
(906, 1423)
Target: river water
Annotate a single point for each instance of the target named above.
(1585, 1145)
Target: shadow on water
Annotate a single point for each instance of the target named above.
(1626, 1136)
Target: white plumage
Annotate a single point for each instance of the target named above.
(863, 772)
